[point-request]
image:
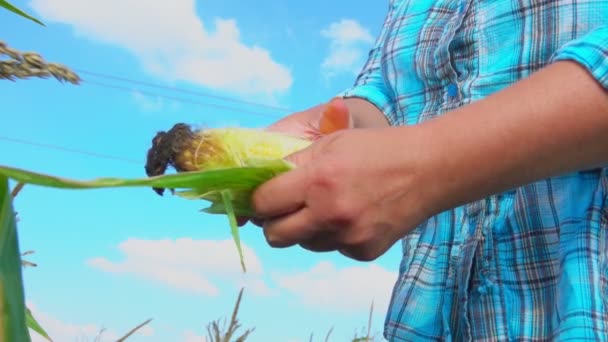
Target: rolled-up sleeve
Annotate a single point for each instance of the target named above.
(370, 84)
(590, 51)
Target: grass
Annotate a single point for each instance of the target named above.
(221, 331)
(225, 334)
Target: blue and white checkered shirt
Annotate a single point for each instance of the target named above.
(529, 264)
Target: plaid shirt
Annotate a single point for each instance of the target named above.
(527, 264)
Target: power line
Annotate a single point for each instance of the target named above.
(178, 99)
(181, 90)
(129, 89)
(70, 150)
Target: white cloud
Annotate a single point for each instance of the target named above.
(349, 43)
(147, 103)
(346, 289)
(187, 265)
(172, 42)
(60, 330)
(146, 330)
(190, 336)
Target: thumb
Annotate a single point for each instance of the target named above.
(335, 117)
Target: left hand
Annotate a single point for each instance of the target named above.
(356, 191)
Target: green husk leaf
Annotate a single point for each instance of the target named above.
(198, 185)
(234, 229)
(241, 208)
(240, 201)
(33, 324)
(201, 182)
(12, 298)
(228, 190)
(10, 7)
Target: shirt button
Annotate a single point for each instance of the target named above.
(452, 90)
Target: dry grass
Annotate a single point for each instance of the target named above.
(22, 65)
(217, 334)
(132, 331)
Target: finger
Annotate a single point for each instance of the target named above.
(323, 242)
(335, 117)
(257, 222)
(289, 230)
(241, 221)
(281, 195)
(361, 253)
(346, 253)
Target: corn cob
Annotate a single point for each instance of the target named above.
(222, 148)
(186, 149)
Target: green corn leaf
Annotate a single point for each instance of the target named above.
(33, 324)
(228, 190)
(10, 7)
(12, 299)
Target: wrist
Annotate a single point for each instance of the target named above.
(413, 167)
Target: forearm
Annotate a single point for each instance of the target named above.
(365, 114)
(552, 123)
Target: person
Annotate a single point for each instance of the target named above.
(477, 135)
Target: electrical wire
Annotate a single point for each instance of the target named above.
(179, 90)
(148, 93)
(70, 150)
(178, 99)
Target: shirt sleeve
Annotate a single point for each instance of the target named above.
(370, 83)
(590, 51)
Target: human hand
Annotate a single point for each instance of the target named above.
(311, 124)
(352, 191)
(317, 121)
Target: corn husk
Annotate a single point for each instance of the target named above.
(220, 166)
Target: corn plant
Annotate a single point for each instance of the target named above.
(18, 65)
(13, 326)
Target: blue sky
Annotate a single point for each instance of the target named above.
(112, 258)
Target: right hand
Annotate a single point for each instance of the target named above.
(311, 124)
